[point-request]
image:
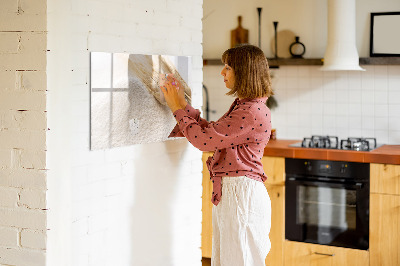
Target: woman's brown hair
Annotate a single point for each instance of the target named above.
(250, 66)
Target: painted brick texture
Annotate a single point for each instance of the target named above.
(126, 202)
(23, 128)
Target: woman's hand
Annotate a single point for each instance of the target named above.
(173, 93)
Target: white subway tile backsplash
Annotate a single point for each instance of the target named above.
(382, 123)
(382, 136)
(355, 122)
(293, 120)
(347, 103)
(291, 71)
(367, 96)
(354, 80)
(368, 122)
(369, 70)
(381, 97)
(328, 74)
(342, 81)
(329, 109)
(367, 110)
(329, 93)
(394, 97)
(355, 109)
(394, 137)
(304, 72)
(304, 109)
(381, 110)
(342, 133)
(394, 123)
(355, 132)
(342, 109)
(393, 71)
(329, 123)
(292, 83)
(394, 110)
(367, 133)
(316, 72)
(317, 131)
(342, 122)
(355, 96)
(316, 82)
(342, 96)
(304, 82)
(317, 120)
(381, 84)
(380, 71)
(394, 82)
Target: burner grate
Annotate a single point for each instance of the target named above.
(332, 142)
(327, 142)
(358, 144)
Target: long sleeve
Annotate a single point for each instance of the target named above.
(195, 114)
(231, 130)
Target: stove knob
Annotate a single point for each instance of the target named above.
(308, 166)
(343, 168)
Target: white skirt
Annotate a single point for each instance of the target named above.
(241, 223)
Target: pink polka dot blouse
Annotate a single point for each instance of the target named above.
(238, 139)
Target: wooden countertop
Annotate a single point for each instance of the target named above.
(389, 154)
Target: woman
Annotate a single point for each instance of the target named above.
(242, 209)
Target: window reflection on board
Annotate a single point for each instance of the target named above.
(126, 104)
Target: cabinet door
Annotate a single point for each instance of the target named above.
(206, 232)
(385, 178)
(384, 230)
(277, 233)
(274, 168)
(304, 254)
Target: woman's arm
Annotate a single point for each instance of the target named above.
(175, 98)
(239, 127)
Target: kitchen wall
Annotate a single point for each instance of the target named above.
(343, 103)
(137, 205)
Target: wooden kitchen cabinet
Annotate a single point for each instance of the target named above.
(305, 254)
(384, 236)
(277, 233)
(274, 168)
(385, 178)
(206, 225)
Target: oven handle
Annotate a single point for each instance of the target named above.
(357, 185)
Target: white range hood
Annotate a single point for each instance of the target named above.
(341, 51)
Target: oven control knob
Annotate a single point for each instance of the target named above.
(308, 166)
(343, 168)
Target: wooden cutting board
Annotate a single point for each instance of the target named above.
(239, 35)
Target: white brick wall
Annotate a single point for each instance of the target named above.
(137, 205)
(22, 132)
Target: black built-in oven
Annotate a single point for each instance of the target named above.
(327, 202)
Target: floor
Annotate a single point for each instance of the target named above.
(206, 261)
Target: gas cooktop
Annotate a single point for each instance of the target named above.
(332, 142)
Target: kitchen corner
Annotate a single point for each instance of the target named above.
(381, 194)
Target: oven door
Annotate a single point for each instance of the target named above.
(327, 213)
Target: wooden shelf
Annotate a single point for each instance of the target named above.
(380, 61)
(273, 63)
